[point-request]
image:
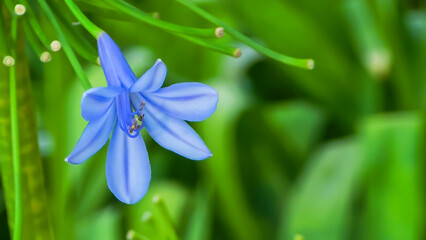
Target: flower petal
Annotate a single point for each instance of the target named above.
(128, 170)
(117, 70)
(93, 138)
(186, 101)
(152, 79)
(96, 101)
(175, 135)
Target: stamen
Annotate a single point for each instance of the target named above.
(56, 45)
(8, 61)
(141, 116)
(134, 126)
(20, 9)
(141, 106)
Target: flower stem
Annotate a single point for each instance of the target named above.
(234, 52)
(32, 19)
(32, 39)
(3, 40)
(87, 24)
(15, 137)
(144, 17)
(302, 63)
(80, 44)
(67, 48)
(9, 6)
(169, 226)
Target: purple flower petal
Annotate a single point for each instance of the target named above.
(186, 101)
(127, 169)
(152, 79)
(174, 134)
(96, 101)
(117, 71)
(93, 138)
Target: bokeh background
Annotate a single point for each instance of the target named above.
(332, 153)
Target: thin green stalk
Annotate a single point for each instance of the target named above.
(3, 40)
(37, 29)
(87, 24)
(234, 52)
(15, 137)
(10, 6)
(142, 16)
(302, 63)
(80, 44)
(32, 39)
(67, 48)
(169, 226)
(32, 19)
(106, 11)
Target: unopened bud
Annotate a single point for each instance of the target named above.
(130, 235)
(219, 32)
(311, 64)
(237, 53)
(45, 57)
(20, 9)
(56, 45)
(156, 15)
(146, 216)
(8, 61)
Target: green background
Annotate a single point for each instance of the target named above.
(331, 153)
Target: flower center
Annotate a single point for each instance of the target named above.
(135, 124)
(129, 121)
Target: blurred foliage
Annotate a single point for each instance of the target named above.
(332, 153)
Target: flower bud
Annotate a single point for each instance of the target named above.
(20, 9)
(8, 61)
(56, 45)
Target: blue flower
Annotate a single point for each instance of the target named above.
(125, 107)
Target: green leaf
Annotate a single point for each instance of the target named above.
(320, 205)
(200, 221)
(297, 124)
(100, 226)
(394, 147)
(35, 219)
(222, 169)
